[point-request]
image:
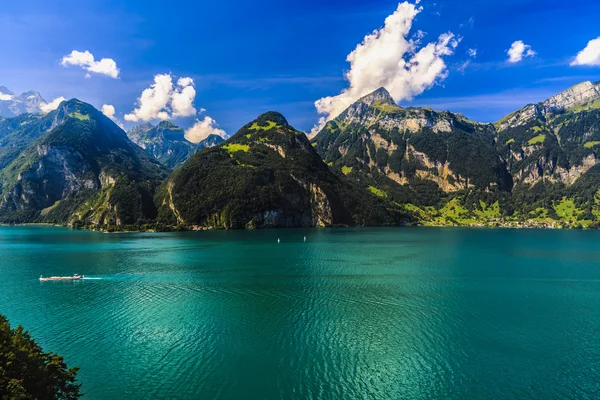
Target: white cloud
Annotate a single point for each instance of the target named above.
(164, 100)
(590, 55)
(472, 52)
(6, 97)
(85, 60)
(53, 105)
(202, 129)
(387, 58)
(183, 98)
(109, 111)
(518, 50)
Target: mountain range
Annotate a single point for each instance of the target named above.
(12, 105)
(166, 142)
(375, 164)
(537, 166)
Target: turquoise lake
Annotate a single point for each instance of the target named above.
(386, 313)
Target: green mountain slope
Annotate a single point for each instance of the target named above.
(266, 175)
(166, 143)
(79, 168)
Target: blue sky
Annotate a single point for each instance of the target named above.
(248, 57)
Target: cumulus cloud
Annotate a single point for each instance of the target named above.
(387, 58)
(202, 129)
(472, 52)
(109, 111)
(183, 98)
(86, 60)
(53, 105)
(518, 50)
(164, 100)
(590, 55)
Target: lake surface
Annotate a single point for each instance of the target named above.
(407, 313)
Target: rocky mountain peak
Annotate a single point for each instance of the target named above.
(12, 105)
(167, 125)
(273, 116)
(380, 94)
(572, 97)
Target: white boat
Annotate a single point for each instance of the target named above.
(62, 278)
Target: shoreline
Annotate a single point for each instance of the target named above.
(529, 224)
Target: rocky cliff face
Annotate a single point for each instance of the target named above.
(400, 151)
(555, 139)
(81, 164)
(266, 176)
(166, 142)
(583, 96)
(533, 164)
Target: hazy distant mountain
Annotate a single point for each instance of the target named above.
(12, 105)
(166, 142)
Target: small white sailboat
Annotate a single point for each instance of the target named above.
(278, 240)
(305, 238)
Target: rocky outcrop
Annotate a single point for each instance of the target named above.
(575, 96)
(570, 98)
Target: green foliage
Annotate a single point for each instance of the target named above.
(537, 139)
(270, 125)
(28, 373)
(377, 192)
(234, 147)
(79, 116)
(386, 106)
(589, 145)
(346, 170)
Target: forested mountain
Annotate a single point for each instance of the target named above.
(266, 175)
(536, 166)
(166, 142)
(12, 105)
(375, 164)
(74, 166)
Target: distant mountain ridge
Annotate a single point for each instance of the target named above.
(166, 142)
(12, 105)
